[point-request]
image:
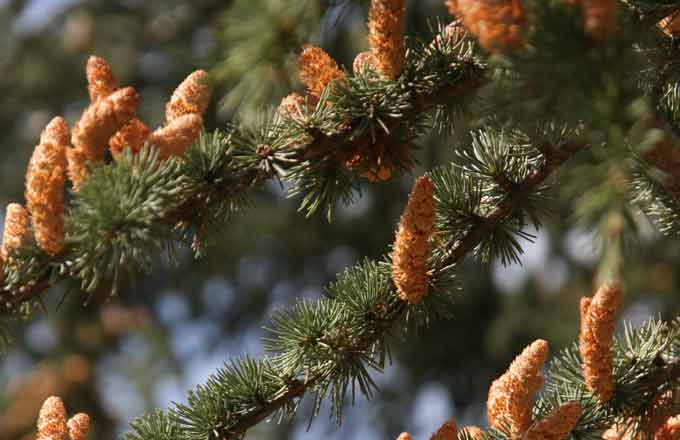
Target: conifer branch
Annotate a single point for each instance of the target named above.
(554, 159)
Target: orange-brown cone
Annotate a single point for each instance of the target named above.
(98, 123)
(511, 395)
(557, 425)
(598, 318)
(16, 231)
(133, 135)
(317, 70)
(178, 135)
(52, 420)
(78, 427)
(191, 96)
(45, 186)
(497, 24)
(100, 79)
(409, 257)
(386, 35)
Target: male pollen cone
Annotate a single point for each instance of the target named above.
(409, 256)
(176, 136)
(132, 135)
(386, 35)
(511, 396)
(45, 186)
(557, 425)
(78, 426)
(473, 432)
(598, 318)
(100, 79)
(317, 70)
(16, 231)
(52, 420)
(497, 24)
(191, 96)
(101, 120)
(363, 61)
(670, 430)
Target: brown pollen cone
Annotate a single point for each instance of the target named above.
(598, 318)
(16, 231)
(178, 135)
(448, 431)
(497, 24)
(404, 436)
(557, 425)
(511, 396)
(386, 35)
(133, 135)
(101, 120)
(45, 186)
(52, 420)
(78, 426)
(317, 70)
(191, 96)
(409, 256)
(100, 79)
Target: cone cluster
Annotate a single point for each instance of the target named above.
(500, 24)
(411, 245)
(54, 425)
(377, 158)
(109, 123)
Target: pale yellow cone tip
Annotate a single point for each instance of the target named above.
(101, 81)
(78, 426)
(57, 132)
(404, 436)
(52, 420)
(448, 431)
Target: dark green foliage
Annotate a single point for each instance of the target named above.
(120, 218)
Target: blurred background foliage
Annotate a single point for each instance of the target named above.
(115, 358)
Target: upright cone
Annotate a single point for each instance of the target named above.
(411, 247)
(598, 318)
(45, 186)
(511, 396)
